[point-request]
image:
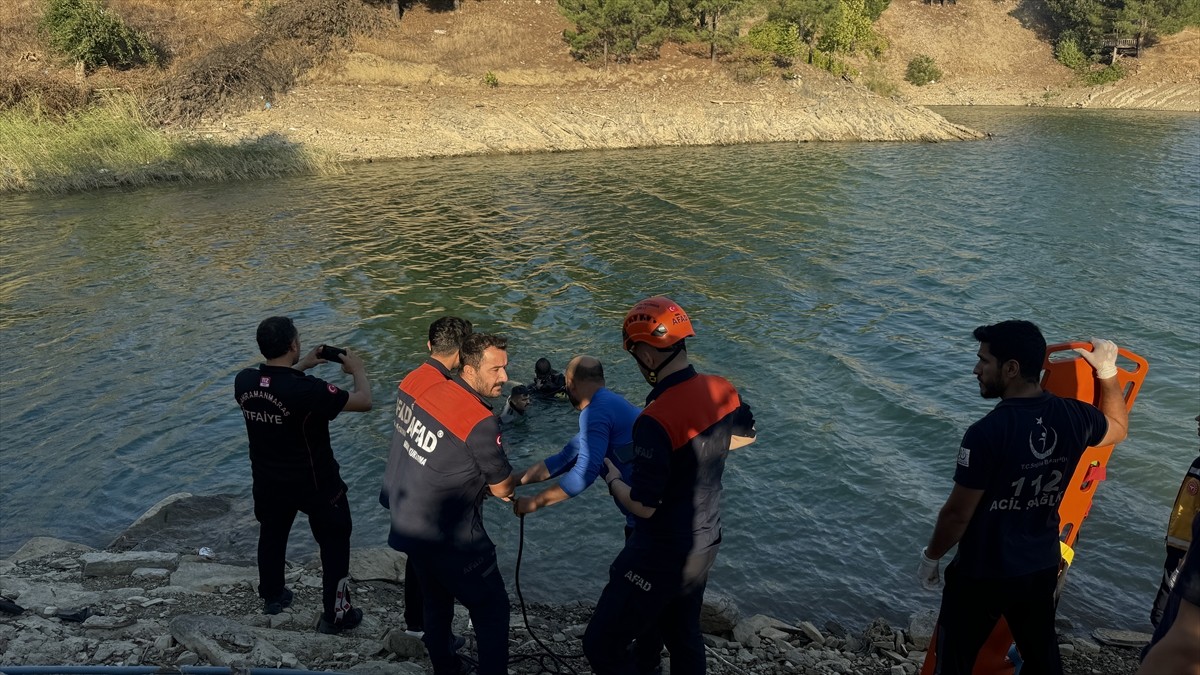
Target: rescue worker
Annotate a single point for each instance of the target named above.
(446, 455)
(287, 420)
(446, 336)
(1012, 468)
(605, 431)
(1179, 534)
(681, 439)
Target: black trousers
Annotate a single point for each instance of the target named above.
(275, 508)
(1171, 567)
(474, 580)
(971, 608)
(414, 607)
(647, 604)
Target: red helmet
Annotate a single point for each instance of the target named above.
(658, 322)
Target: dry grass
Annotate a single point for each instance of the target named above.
(112, 144)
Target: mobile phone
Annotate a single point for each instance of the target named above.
(331, 353)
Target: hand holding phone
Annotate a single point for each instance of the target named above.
(330, 353)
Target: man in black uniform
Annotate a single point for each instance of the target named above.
(446, 337)
(690, 423)
(446, 455)
(1013, 466)
(287, 419)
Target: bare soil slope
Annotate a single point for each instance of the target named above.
(990, 53)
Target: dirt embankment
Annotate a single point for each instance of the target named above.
(418, 89)
(421, 86)
(990, 53)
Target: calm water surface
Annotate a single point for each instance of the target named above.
(835, 284)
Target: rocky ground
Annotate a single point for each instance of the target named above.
(70, 605)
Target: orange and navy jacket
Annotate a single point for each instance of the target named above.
(680, 443)
(446, 449)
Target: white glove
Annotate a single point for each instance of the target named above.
(928, 573)
(1102, 357)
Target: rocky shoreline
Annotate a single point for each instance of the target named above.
(67, 604)
(368, 123)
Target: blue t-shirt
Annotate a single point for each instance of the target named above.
(1022, 455)
(605, 430)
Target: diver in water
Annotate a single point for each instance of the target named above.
(546, 380)
(516, 406)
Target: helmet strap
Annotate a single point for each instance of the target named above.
(652, 373)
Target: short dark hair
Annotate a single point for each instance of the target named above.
(447, 334)
(1019, 341)
(589, 373)
(476, 343)
(275, 336)
(519, 390)
(542, 367)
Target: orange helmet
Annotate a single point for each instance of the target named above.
(657, 321)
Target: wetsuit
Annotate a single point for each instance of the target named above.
(1179, 537)
(1022, 455)
(287, 417)
(446, 449)
(656, 584)
(605, 430)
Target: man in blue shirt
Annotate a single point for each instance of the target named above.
(605, 430)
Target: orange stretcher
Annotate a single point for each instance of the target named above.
(1065, 374)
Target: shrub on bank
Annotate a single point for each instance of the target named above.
(1106, 75)
(922, 71)
(85, 31)
(111, 144)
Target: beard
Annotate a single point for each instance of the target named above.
(990, 389)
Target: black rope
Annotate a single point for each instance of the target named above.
(524, 615)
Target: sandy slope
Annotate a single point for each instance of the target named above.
(417, 90)
(990, 54)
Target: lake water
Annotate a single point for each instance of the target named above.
(835, 284)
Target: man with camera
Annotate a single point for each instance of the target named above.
(446, 456)
(287, 417)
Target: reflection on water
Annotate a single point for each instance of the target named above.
(836, 285)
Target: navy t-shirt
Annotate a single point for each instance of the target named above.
(287, 417)
(1022, 455)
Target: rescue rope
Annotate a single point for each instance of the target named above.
(525, 617)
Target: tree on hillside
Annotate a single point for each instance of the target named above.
(1088, 22)
(809, 16)
(714, 11)
(619, 27)
(850, 29)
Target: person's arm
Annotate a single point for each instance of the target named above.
(1103, 359)
(486, 447)
(1112, 404)
(551, 495)
(360, 398)
(1178, 652)
(622, 492)
(505, 488)
(952, 520)
(534, 474)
